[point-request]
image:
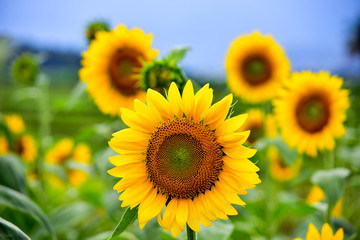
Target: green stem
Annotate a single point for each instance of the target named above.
(329, 159)
(44, 122)
(191, 234)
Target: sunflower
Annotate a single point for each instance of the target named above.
(279, 169)
(25, 147)
(61, 152)
(82, 153)
(271, 129)
(4, 146)
(111, 67)
(326, 233)
(317, 195)
(256, 67)
(256, 124)
(76, 177)
(310, 110)
(182, 153)
(15, 123)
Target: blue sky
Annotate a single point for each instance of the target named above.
(313, 33)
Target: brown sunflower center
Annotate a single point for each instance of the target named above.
(19, 146)
(256, 70)
(183, 158)
(124, 69)
(313, 113)
(256, 132)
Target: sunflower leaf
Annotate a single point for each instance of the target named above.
(176, 54)
(331, 182)
(17, 201)
(12, 174)
(126, 220)
(10, 231)
(289, 155)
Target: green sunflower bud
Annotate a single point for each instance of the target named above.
(25, 69)
(95, 27)
(159, 74)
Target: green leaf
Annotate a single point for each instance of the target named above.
(77, 92)
(289, 155)
(130, 215)
(220, 230)
(12, 173)
(176, 54)
(17, 201)
(70, 215)
(9, 231)
(331, 182)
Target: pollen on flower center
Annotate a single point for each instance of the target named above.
(124, 67)
(313, 113)
(183, 158)
(256, 69)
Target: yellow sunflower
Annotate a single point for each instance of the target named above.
(317, 195)
(60, 152)
(310, 110)
(4, 146)
(256, 124)
(326, 233)
(256, 67)
(181, 154)
(278, 168)
(76, 177)
(15, 123)
(111, 67)
(82, 153)
(26, 148)
(271, 129)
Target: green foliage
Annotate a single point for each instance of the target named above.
(9, 231)
(177, 54)
(12, 173)
(17, 201)
(94, 27)
(331, 182)
(130, 215)
(25, 69)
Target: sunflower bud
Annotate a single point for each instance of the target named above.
(159, 74)
(95, 27)
(25, 69)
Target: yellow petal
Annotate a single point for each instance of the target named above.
(124, 159)
(128, 182)
(313, 233)
(239, 152)
(240, 165)
(146, 113)
(188, 99)
(231, 125)
(218, 112)
(175, 229)
(182, 213)
(169, 214)
(326, 232)
(339, 235)
(193, 219)
(132, 120)
(203, 100)
(175, 100)
(158, 102)
(132, 169)
(149, 209)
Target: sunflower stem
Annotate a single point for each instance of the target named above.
(191, 234)
(330, 163)
(44, 122)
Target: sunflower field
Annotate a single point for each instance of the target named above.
(137, 148)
